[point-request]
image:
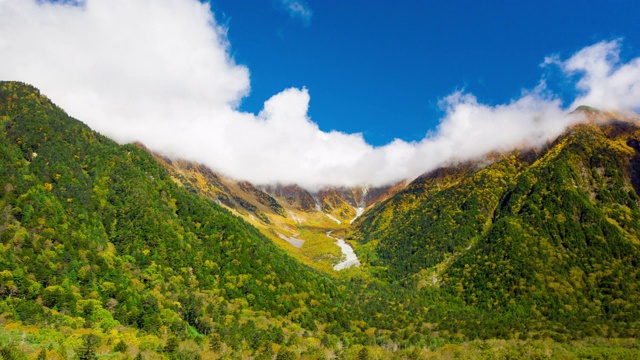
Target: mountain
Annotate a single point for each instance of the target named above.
(294, 218)
(552, 233)
(265, 201)
(104, 250)
(96, 236)
(110, 251)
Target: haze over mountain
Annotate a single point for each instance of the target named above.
(163, 73)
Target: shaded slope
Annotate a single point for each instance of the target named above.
(551, 235)
(436, 214)
(565, 242)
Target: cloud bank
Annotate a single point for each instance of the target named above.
(160, 72)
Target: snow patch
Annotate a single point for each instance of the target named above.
(297, 243)
(359, 211)
(333, 218)
(362, 205)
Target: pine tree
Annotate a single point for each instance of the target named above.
(285, 354)
(172, 345)
(363, 354)
(121, 346)
(88, 349)
(42, 355)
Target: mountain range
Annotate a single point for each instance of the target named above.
(114, 251)
(292, 217)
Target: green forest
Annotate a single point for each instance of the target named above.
(103, 255)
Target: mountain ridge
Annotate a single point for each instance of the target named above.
(294, 218)
(106, 250)
(538, 234)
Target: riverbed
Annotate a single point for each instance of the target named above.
(349, 257)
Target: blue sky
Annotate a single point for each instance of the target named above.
(380, 67)
(315, 93)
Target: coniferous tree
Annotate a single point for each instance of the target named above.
(87, 350)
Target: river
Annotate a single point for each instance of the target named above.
(349, 257)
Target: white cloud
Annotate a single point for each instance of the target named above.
(297, 9)
(604, 81)
(159, 72)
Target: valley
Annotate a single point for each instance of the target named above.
(349, 257)
(112, 251)
(297, 220)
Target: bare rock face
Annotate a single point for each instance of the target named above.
(293, 195)
(262, 201)
(262, 197)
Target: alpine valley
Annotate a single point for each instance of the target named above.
(112, 251)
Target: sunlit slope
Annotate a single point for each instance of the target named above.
(554, 233)
(103, 248)
(293, 218)
(101, 231)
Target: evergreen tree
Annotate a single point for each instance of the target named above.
(172, 345)
(363, 354)
(42, 355)
(121, 346)
(87, 350)
(285, 354)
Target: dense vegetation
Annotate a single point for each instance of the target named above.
(104, 255)
(550, 240)
(97, 233)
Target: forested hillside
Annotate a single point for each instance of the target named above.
(95, 235)
(547, 236)
(105, 254)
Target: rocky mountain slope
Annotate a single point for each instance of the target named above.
(294, 218)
